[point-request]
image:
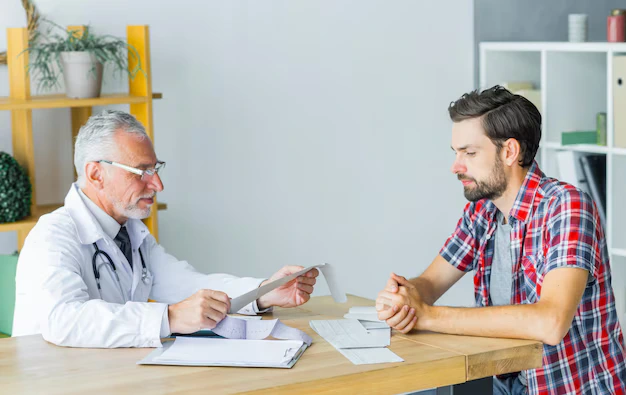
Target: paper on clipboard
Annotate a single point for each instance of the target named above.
(339, 296)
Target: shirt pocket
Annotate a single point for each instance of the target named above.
(532, 271)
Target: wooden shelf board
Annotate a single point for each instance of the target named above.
(30, 221)
(62, 101)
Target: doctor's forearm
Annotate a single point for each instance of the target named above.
(99, 324)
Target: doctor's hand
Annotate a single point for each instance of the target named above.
(294, 293)
(400, 304)
(202, 310)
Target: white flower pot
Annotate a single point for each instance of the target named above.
(82, 74)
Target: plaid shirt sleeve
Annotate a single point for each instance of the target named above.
(460, 248)
(573, 233)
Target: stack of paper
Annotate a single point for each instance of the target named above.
(367, 316)
(193, 351)
(352, 340)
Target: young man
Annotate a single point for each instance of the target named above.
(538, 252)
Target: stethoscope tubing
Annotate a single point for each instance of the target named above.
(108, 261)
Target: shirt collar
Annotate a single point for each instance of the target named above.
(524, 202)
(109, 225)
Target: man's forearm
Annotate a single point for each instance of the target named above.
(518, 322)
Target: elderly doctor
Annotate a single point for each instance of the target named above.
(86, 270)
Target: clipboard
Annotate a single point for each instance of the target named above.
(156, 356)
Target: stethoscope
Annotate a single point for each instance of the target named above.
(109, 261)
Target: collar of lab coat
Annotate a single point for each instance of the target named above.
(89, 229)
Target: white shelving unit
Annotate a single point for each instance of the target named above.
(576, 82)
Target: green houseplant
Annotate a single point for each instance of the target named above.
(80, 56)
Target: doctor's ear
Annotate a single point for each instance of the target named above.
(94, 174)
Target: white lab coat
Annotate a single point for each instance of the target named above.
(57, 295)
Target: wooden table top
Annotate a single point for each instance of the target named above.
(29, 364)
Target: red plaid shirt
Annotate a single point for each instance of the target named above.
(553, 225)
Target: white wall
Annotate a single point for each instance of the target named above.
(296, 132)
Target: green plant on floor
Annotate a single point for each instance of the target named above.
(15, 190)
(45, 50)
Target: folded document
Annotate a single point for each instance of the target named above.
(352, 340)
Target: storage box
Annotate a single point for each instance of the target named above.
(579, 137)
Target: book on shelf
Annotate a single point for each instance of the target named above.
(587, 172)
(570, 169)
(594, 168)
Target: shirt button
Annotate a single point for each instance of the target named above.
(488, 237)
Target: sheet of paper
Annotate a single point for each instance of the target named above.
(334, 285)
(230, 351)
(374, 325)
(247, 317)
(339, 296)
(349, 334)
(363, 313)
(235, 328)
(362, 356)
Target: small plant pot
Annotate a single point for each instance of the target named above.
(82, 74)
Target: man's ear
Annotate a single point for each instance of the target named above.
(94, 175)
(510, 152)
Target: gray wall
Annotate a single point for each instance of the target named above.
(296, 132)
(536, 20)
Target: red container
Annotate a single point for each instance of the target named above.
(616, 28)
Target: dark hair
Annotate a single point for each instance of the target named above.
(504, 116)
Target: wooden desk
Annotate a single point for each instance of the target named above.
(30, 365)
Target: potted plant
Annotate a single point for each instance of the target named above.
(80, 56)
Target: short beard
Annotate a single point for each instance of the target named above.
(132, 211)
(490, 189)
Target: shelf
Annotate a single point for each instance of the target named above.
(618, 252)
(30, 221)
(62, 101)
(558, 46)
(619, 151)
(596, 149)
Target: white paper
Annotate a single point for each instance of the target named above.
(352, 340)
(349, 334)
(235, 328)
(363, 313)
(336, 290)
(339, 296)
(362, 356)
(369, 325)
(230, 351)
(247, 317)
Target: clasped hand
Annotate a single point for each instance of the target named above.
(400, 304)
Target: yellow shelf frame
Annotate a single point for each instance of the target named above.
(21, 103)
(62, 101)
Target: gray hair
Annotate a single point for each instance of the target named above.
(95, 140)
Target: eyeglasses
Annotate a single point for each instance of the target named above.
(143, 173)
